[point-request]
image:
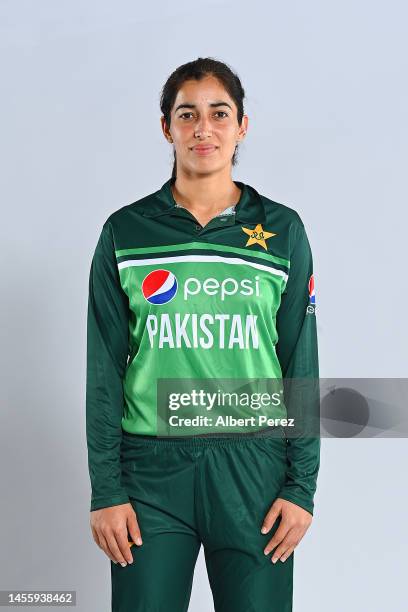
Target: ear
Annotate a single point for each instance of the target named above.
(165, 129)
(243, 128)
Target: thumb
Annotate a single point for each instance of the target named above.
(134, 530)
(271, 516)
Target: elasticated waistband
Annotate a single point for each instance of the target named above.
(209, 440)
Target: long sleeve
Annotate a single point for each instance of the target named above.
(297, 351)
(107, 352)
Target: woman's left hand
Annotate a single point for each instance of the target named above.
(294, 523)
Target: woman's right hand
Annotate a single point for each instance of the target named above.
(110, 531)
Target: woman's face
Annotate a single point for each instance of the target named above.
(204, 114)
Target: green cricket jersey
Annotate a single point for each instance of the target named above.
(169, 299)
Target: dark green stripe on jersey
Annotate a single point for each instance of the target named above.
(230, 254)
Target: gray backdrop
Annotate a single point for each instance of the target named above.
(80, 137)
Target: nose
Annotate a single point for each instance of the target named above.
(203, 128)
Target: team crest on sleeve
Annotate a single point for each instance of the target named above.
(311, 307)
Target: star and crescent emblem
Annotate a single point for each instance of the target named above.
(258, 236)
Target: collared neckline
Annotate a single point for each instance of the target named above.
(248, 209)
(230, 210)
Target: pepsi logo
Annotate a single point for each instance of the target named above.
(311, 287)
(159, 287)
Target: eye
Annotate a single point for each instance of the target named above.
(183, 115)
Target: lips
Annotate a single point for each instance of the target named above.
(204, 148)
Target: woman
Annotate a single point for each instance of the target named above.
(204, 279)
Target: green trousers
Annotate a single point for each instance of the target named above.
(212, 491)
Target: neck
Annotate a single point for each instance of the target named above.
(206, 195)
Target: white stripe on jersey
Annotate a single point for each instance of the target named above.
(201, 258)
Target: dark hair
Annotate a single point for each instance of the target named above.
(198, 69)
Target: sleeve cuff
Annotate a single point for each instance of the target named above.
(298, 499)
(98, 503)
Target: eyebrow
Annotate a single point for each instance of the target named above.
(212, 104)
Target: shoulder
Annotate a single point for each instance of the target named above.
(123, 213)
(286, 220)
(285, 212)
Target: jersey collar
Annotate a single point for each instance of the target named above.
(249, 208)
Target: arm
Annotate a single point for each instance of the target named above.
(107, 352)
(297, 351)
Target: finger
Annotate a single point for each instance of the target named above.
(277, 537)
(121, 537)
(287, 543)
(270, 518)
(105, 547)
(287, 553)
(95, 536)
(121, 553)
(134, 530)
